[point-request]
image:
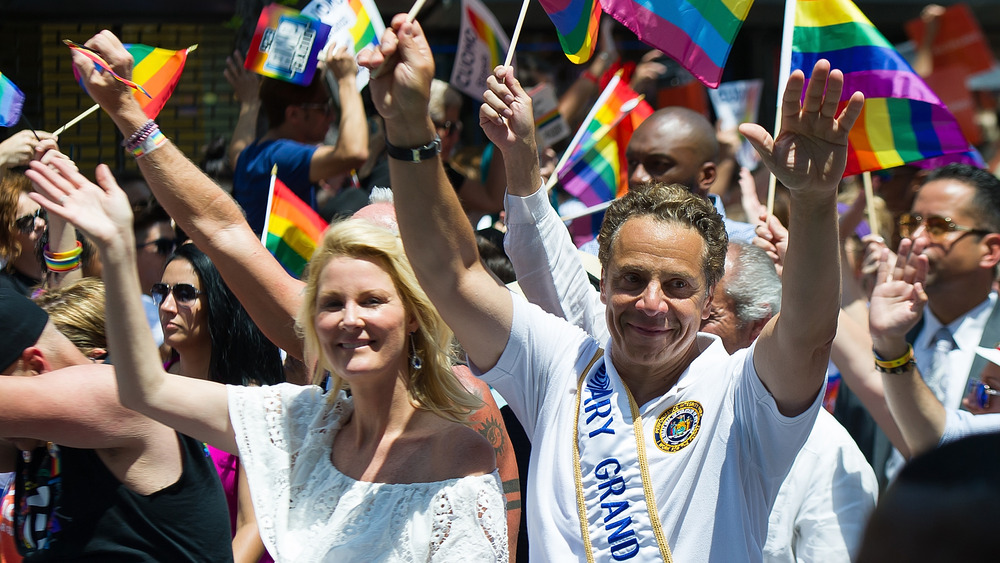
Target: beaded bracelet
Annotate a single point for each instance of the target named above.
(62, 262)
(140, 135)
(898, 362)
(155, 140)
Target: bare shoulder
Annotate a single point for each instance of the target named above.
(463, 452)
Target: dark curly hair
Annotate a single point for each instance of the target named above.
(241, 354)
(670, 203)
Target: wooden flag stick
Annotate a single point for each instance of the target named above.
(76, 120)
(870, 203)
(517, 32)
(410, 16)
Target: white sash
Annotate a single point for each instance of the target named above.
(618, 516)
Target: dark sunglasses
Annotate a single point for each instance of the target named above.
(936, 225)
(26, 224)
(982, 392)
(164, 246)
(184, 293)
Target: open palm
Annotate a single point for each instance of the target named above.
(811, 149)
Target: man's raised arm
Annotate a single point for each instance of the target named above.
(808, 156)
(206, 213)
(436, 234)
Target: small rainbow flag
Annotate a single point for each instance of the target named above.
(592, 173)
(902, 120)
(292, 230)
(576, 24)
(155, 73)
(11, 102)
(364, 31)
(595, 171)
(482, 45)
(159, 71)
(698, 34)
(356, 24)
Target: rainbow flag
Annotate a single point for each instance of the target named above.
(576, 24)
(482, 45)
(158, 71)
(11, 102)
(594, 172)
(698, 34)
(354, 23)
(902, 120)
(292, 230)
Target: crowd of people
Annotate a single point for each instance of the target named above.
(174, 394)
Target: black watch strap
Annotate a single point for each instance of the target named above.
(417, 154)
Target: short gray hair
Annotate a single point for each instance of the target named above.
(755, 287)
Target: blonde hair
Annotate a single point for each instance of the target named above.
(432, 387)
(77, 311)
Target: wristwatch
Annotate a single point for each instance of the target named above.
(417, 154)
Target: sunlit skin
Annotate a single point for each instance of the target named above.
(361, 320)
(656, 297)
(185, 328)
(666, 151)
(956, 256)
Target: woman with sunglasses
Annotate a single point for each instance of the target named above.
(22, 223)
(213, 338)
(389, 473)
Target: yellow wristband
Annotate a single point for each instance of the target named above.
(898, 362)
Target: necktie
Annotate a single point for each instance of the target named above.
(937, 378)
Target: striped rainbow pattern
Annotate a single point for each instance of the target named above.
(11, 102)
(293, 229)
(158, 71)
(485, 34)
(594, 172)
(698, 34)
(576, 24)
(363, 31)
(902, 120)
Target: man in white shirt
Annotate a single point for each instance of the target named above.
(656, 456)
(956, 216)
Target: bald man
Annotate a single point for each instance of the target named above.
(676, 145)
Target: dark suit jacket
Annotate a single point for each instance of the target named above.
(855, 418)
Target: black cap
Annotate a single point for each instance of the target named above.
(21, 321)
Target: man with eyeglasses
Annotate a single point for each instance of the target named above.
(298, 120)
(956, 215)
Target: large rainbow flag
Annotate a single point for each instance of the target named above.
(158, 71)
(292, 230)
(595, 172)
(11, 102)
(698, 34)
(902, 120)
(576, 24)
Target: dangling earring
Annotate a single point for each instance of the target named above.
(415, 361)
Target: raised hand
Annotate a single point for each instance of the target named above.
(402, 89)
(899, 298)
(245, 83)
(810, 152)
(341, 63)
(102, 87)
(506, 115)
(100, 210)
(772, 238)
(21, 147)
